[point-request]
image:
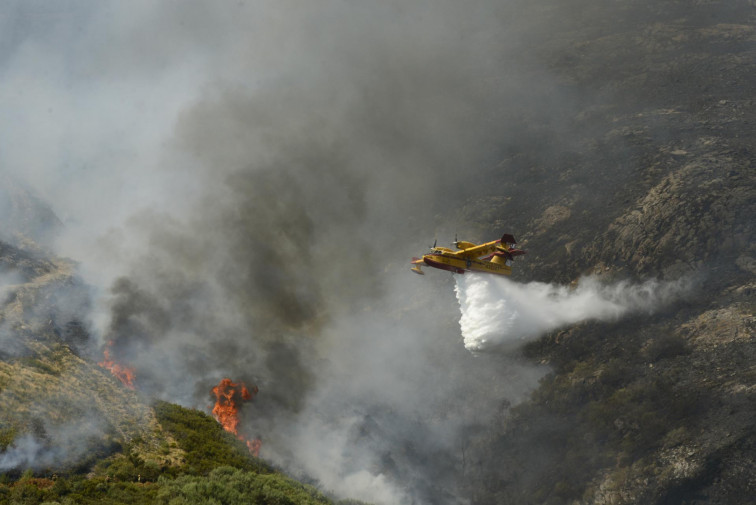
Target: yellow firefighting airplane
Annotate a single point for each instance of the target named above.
(491, 258)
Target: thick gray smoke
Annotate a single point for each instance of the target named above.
(243, 184)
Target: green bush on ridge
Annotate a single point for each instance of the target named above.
(217, 469)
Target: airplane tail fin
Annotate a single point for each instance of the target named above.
(508, 238)
(505, 257)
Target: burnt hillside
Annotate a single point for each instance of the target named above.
(657, 179)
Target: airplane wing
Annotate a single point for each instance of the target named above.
(478, 250)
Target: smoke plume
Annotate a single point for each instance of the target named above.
(500, 313)
(53, 445)
(240, 181)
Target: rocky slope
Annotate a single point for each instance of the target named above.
(657, 180)
(60, 409)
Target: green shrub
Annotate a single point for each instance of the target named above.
(26, 492)
(218, 471)
(206, 443)
(231, 486)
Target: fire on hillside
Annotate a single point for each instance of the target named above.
(228, 398)
(123, 373)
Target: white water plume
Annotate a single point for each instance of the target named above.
(498, 312)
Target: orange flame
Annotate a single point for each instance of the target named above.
(228, 396)
(124, 374)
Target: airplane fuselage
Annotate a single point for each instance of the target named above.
(493, 257)
(462, 265)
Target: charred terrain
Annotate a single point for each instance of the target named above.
(658, 180)
(641, 165)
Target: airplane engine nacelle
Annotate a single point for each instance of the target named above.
(461, 244)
